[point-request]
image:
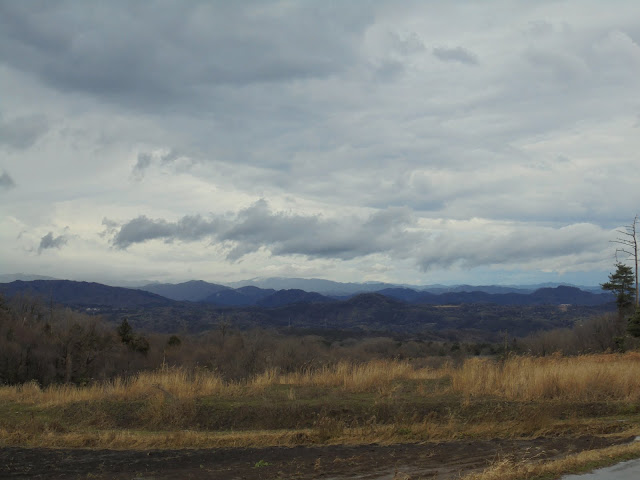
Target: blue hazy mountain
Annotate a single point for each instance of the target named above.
(83, 294)
(192, 291)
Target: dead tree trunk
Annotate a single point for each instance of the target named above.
(629, 247)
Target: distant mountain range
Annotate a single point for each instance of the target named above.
(543, 296)
(192, 291)
(197, 290)
(339, 289)
(251, 295)
(83, 294)
(220, 295)
(95, 294)
(324, 287)
(269, 297)
(199, 306)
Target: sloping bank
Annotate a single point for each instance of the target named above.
(618, 462)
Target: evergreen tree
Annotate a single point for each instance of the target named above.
(633, 324)
(622, 284)
(125, 332)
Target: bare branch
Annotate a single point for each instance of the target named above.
(623, 242)
(625, 251)
(630, 248)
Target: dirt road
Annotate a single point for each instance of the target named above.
(446, 460)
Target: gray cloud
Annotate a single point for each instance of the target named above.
(320, 106)
(22, 132)
(6, 182)
(315, 236)
(142, 228)
(108, 54)
(111, 227)
(519, 246)
(258, 227)
(564, 67)
(172, 158)
(457, 54)
(393, 232)
(144, 160)
(49, 241)
(407, 44)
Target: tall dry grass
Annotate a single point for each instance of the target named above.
(182, 384)
(354, 377)
(586, 378)
(583, 378)
(176, 383)
(170, 403)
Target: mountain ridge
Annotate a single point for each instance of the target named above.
(83, 294)
(457, 314)
(192, 291)
(92, 293)
(318, 285)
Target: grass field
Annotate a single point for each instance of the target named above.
(379, 401)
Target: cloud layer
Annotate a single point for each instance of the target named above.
(394, 233)
(412, 141)
(257, 227)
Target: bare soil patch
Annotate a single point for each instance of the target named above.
(444, 460)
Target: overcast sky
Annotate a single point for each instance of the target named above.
(404, 141)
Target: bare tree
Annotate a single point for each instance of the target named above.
(629, 242)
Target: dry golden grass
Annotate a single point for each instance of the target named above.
(481, 398)
(583, 378)
(175, 383)
(353, 377)
(507, 469)
(518, 378)
(182, 384)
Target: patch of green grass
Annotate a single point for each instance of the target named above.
(13, 413)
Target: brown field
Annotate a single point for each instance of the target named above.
(586, 401)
